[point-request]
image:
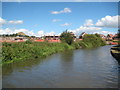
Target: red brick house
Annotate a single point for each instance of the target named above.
(109, 37)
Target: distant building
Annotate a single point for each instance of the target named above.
(19, 39)
(82, 35)
(109, 37)
(102, 36)
(54, 37)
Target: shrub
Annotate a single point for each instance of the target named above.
(91, 40)
(25, 50)
(67, 37)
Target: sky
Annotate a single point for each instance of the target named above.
(59, 0)
(52, 18)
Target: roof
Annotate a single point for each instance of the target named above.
(102, 35)
(110, 35)
(83, 34)
(51, 35)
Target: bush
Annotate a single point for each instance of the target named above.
(28, 42)
(67, 37)
(25, 50)
(91, 40)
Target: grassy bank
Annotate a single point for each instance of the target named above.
(24, 50)
(92, 40)
(18, 51)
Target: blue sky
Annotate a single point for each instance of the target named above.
(40, 18)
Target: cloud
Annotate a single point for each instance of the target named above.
(60, 0)
(108, 21)
(13, 31)
(104, 32)
(88, 22)
(2, 21)
(16, 22)
(50, 33)
(66, 24)
(26, 31)
(15, 1)
(65, 10)
(86, 29)
(96, 0)
(40, 33)
(56, 20)
(6, 31)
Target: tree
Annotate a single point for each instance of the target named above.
(67, 37)
(118, 33)
(119, 36)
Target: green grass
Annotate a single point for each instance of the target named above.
(91, 40)
(24, 50)
(19, 51)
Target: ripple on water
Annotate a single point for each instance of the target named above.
(84, 68)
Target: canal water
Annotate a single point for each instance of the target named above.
(82, 68)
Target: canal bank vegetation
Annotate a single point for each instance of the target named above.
(24, 50)
(92, 40)
(18, 51)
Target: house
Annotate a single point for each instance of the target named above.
(116, 37)
(103, 36)
(109, 37)
(20, 39)
(74, 36)
(82, 35)
(54, 38)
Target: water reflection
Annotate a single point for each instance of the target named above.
(67, 56)
(67, 61)
(21, 65)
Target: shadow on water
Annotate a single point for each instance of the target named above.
(21, 65)
(67, 56)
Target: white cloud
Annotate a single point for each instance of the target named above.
(13, 31)
(104, 32)
(26, 31)
(96, 0)
(14, 1)
(60, 0)
(20, 30)
(56, 20)
(16, 22)
(50, 33)
(88, 22)
(108, 21)
(2, 21)
(40, 33)
(6, 31)
(65, 10)
(84, 29)
(66, 24)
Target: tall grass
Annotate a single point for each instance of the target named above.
(91, 40)
(12, 52)
(24, 50)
